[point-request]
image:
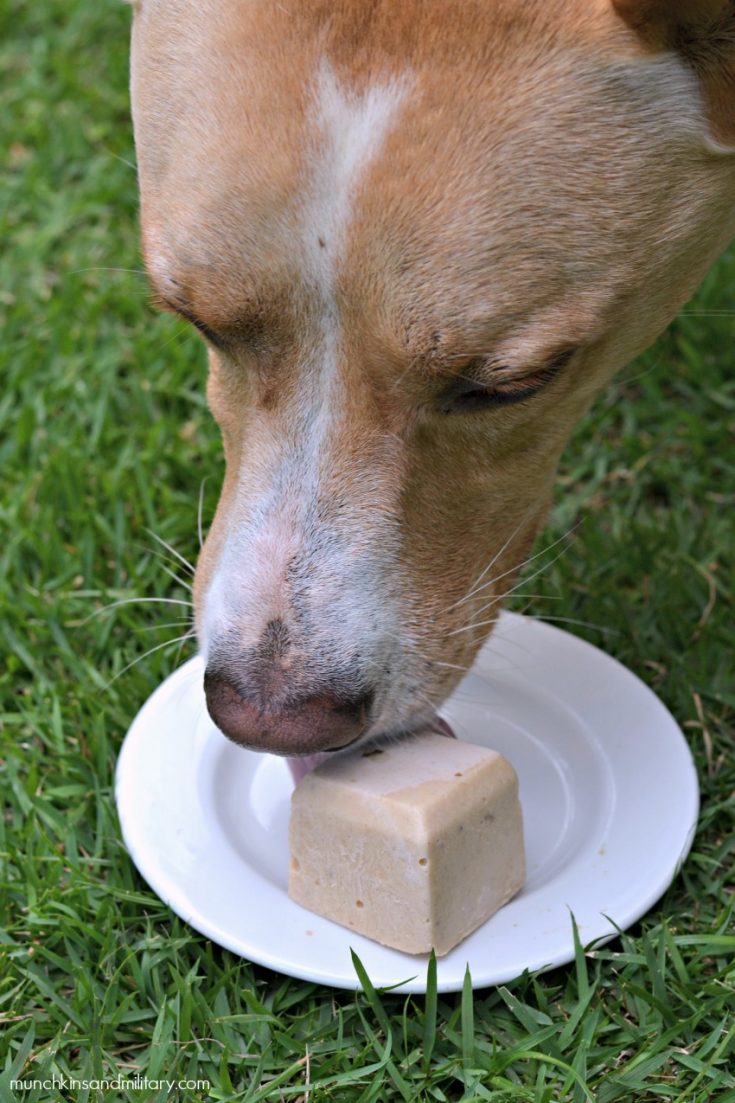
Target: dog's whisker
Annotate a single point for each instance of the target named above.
(535, 574)
(476, 588)
(707, 313)
(122, 160)
(473, 588)
(137, 601)
(581, 623)
(185, 328)
(533, 597)
(130, 271)
(420, 696)
(185, 585)
(473, 627)
(489, 605)
(450, 666)
(169, 624)
(158, 647)
(642, 374)
(169, 547)
(183, 640)
(501, 597)
(523, 582)
(520, 566)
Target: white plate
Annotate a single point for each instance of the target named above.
(607, 784)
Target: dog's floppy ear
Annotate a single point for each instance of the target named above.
(703, 31)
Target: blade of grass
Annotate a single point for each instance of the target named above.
(430, 1009)
(468, 1021)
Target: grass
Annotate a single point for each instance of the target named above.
(106, 440)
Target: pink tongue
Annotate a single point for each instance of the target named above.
(302, 766)
(441, 727)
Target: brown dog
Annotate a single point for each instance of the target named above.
(418, 236)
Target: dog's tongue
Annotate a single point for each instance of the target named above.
(302, 766)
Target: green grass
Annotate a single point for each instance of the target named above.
(106, 439)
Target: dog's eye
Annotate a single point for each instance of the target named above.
(211, 336)
(176, 308)
(466, 395)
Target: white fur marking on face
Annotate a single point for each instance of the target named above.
(249, 585)
(352, 128)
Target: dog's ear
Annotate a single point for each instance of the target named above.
(703, 32)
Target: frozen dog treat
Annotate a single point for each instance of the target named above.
(414, 845)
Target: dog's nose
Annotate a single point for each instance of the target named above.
(322, 722)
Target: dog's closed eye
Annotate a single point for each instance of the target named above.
(209, 334)
(173, 308)
(479, 389)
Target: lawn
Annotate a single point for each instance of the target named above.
(105, 445)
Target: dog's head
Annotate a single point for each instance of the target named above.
(418, 237)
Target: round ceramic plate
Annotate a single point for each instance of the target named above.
(607, 785)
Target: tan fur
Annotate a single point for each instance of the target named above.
(554, 179)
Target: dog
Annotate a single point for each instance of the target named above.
(418, 238)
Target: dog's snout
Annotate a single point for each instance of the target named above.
(320, 721)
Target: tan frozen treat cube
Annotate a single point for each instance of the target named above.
(414, 845)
